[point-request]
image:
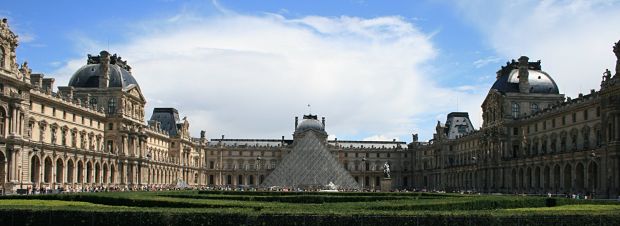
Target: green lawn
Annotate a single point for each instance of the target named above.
(262, 208)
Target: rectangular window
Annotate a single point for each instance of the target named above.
(73, 117)
(574, 117)
(54, 112)
(598, 111)
(110, 126)
(30, 107)
(544, 125)
(42, 109)
(64, 115)
(563, 120)
(515, 131)
(553, 123)
(585, 114)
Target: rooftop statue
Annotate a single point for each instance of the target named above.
(617, 52)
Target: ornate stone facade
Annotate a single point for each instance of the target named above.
(533, 140)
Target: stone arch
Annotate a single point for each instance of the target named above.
(59, 171)
(97, 172)
(105, 173)
(579, 177)
(89, 172)
(112, 173)
(35, 169)
(514, 179)
(537, 176)
(3, 121)
(592, 176)
(557, 176)
(568, 179)
(80, 171)
(3, 164)
(546, 184)
(70, 170)
(47, 170)
(521, 179)
(528, 178)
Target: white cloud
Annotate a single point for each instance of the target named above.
(485, 61)
(572, 38)
(248, 76)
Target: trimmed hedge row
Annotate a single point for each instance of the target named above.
(488, 203)
(121, 201)
(315, 199)
(278, 193)
(42, 218)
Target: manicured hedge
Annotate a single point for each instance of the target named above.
(43, 218)
(486, 203)
(276, 193)
(121, 201)
(292, 199)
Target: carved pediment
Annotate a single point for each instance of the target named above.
(135, 91)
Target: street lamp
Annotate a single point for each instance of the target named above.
(475, 160)
(148, 158)
(364, 173)
(258, 159)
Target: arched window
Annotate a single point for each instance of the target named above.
(534, 107)
(515, 110)
(2, 119)
(112, 106)
(1, 57)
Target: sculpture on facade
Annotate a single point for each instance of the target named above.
(386, 170)
(617, 52)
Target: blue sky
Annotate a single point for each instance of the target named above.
(375, 69)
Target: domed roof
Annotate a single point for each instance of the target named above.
(310, 122)
(88, 75)
(539, 81)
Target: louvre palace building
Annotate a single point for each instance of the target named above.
(93, 133)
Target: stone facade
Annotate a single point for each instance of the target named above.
(533, 140)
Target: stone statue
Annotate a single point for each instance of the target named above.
(617, 52)
(386, 170)
(203, 134)
(606, 75)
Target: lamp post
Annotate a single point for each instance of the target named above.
(364, 173)
(475, 161)
(148, 169)
(258, 159)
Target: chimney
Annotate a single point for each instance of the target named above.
(37, 80)
(105, 67)
(296, 121)
(66, 91)
(524, 84)
(323, 121)
(47, 85)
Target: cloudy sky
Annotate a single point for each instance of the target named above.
(376, 70)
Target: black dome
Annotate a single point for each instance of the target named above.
(88, 75)
(540, 82)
